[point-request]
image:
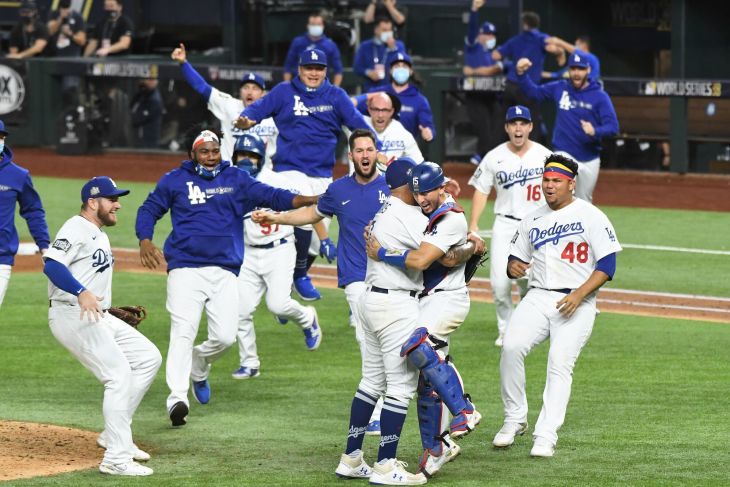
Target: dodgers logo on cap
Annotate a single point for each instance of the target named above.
(518, 112)
(578, 61)
(313, 56)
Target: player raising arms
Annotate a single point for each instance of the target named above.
(570, 247)
(207, 199)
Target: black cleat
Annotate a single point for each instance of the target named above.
(178, 413)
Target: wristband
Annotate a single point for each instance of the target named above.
(396, 258)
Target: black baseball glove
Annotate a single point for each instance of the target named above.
(474, 262)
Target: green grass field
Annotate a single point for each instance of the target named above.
(649, 404)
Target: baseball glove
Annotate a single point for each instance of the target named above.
(474, 262)
(131, 315)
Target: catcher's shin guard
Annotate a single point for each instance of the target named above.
(438, 371)
(430, 417)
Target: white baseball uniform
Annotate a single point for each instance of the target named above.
(517, 181)
(5, 271)
(268, 267)
(396, 142)
(308, 186)
(227, 109)
(123, 359)
(563, 248)
(389, 308)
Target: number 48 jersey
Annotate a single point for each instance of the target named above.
(563, 246)
(255, 234)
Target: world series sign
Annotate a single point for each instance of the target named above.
(12, 90)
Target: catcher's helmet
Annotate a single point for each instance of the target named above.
(425, 177)
(251, 143)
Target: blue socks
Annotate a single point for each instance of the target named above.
(391, 425)
(302, 240)
(360, 412)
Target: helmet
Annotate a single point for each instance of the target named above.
(425, 177)
(251, 144)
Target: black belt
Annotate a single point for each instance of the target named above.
(270, 245)
(511, 217)
(428, 293)
(564, 290)
(381, 290)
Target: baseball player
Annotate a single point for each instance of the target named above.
(309, 112)
(16, 186)
(226, 108)
(268, 266)
(585, 114)
(207, 199)
(570, 247)
(389, 312)
(79, 267)
(444, 305)
(514, 170)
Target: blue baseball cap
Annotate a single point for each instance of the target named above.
(101, 187)
(2, 128)
(313, 56)
(398, 172)
(487, 28)
(518, 112)
(255, 79)
(578, 61)
(401, 57)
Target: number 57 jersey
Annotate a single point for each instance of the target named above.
(563, 246)
(257, 235)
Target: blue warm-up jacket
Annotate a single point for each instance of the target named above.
(370, 53)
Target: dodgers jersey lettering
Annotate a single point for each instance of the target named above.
(451, 229)
(397, 226)
(257, 234)
(564, 245)
(85, 250)
(518, 179)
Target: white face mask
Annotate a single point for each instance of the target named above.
(385, 36)
(490, 43)
(315, 30)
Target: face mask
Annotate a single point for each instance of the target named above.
(401, 75)
(490, 43)
(315, 30)
(2, 146)
(248, 166)
(386, 36)
(207, 173)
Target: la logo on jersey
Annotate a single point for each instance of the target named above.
(195, 195)
(382, 196)
(299, 108)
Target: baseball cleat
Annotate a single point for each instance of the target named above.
(542, 448)
(138, 455)
(353, 466)
(305, 289)
(130, 469)
(201, 391)
(499, 341)
(506, 436)
(391, 471)
(178, 413)
(281, 320)
(431, 464)
(464, 423)
(313, 334)
(245, 373)
(373, 428)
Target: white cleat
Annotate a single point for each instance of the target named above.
(542, 448)
(499, 341)
(139, 455)
(129, 469)
(431, 464)
(391, 471)
(506, 436)
(353, 466)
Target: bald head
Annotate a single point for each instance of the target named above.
(380, 108)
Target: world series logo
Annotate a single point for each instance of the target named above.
(12, 90)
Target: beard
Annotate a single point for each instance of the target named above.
(107, 218)
(365, 175)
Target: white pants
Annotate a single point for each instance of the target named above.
(189, 290)
(388, 321)
(309, 186)
(4, 280)
(534, 320)
(502, 232)
(353, 293)
(443, 312)
(587, 177)
(267, 271)
(121, 358)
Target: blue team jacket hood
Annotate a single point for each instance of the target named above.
(189, 165)
(300, 87)
(7, 157)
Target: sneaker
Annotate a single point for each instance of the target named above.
(499, 341)
(201, 391)
(475, 159)
(305, 289)
(245, 373)
(506, 436)
(392, 471)
(138, 455)
(464, 423)
(313, 334)
(178, 413)
(131, 469)
(431, 464)
(373, 428)
(542, 448)
(282, 321)
(353, 466)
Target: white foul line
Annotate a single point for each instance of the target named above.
(655, 305)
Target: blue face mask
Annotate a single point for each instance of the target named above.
(248, 166)
(401, 75)
(207, 173)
